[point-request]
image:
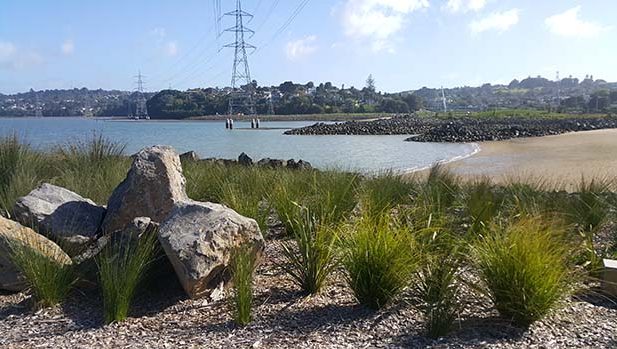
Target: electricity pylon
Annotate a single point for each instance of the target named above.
(241, 98)
(141, 108)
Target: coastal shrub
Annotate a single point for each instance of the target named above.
(122, 265)
(379, 259)
(242, 269)
(437, 291)
(49, 280)
(310, 257)
(524, 267)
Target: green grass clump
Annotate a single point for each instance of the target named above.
(21, 169)
(437, 289)
(310, 257)
(122, 265)
(525, 269)
(49, 279)
(482, 204)
(384, 192)
(101, 158)
(587, 211)
(378, 258)
(242, 268)
(436, 196)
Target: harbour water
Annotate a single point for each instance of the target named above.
(211, 139)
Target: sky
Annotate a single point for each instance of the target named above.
(404, 44)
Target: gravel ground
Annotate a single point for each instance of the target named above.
(285, 319)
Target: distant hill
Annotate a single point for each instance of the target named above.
(569, 95)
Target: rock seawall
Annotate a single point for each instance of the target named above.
(459, 130)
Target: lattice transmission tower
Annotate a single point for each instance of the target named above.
(241, 98)
(141, 108)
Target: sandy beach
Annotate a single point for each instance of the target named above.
(561, 159)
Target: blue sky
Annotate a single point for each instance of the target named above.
(405, 44)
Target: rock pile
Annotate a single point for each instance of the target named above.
(198, 237)
(246, 160)
(459, 130)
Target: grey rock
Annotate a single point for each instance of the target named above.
(60, 213)
(609, 277)
(298, 165)
(189, 156)
(273, 163)
(11, 233)
(198, 239)
(153, 186)
(245, 160)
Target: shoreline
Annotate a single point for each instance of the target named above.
(561, 160)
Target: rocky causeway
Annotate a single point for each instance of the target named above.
(459, 130)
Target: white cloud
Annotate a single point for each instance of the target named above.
(497, 21)
(569, 24)
(159, 32)
(171, 48)
(12, 58)
(457, 6)
(67, 47)
(7, 50)
(301, 47)
(378, 20)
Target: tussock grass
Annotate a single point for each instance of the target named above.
(437, 290)
(587, 211)
(441, 188)
(103, 160)
(384, 192)
(524, 267)
(49, 280)
(122, 265)
(310, 257)
(21, 169)
(482, 204)
(379, 259)
(242, 268)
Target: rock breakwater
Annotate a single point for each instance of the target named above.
(459, 130)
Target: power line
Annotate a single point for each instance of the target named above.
(286, 24)
(268, 14)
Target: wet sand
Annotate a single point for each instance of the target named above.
(562, 159)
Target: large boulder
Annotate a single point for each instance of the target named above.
(60, 213)
(12, 233)
(199, 238)
(153, 186)
(245, 160)
(189, 156)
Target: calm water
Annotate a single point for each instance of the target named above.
(211, 139)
